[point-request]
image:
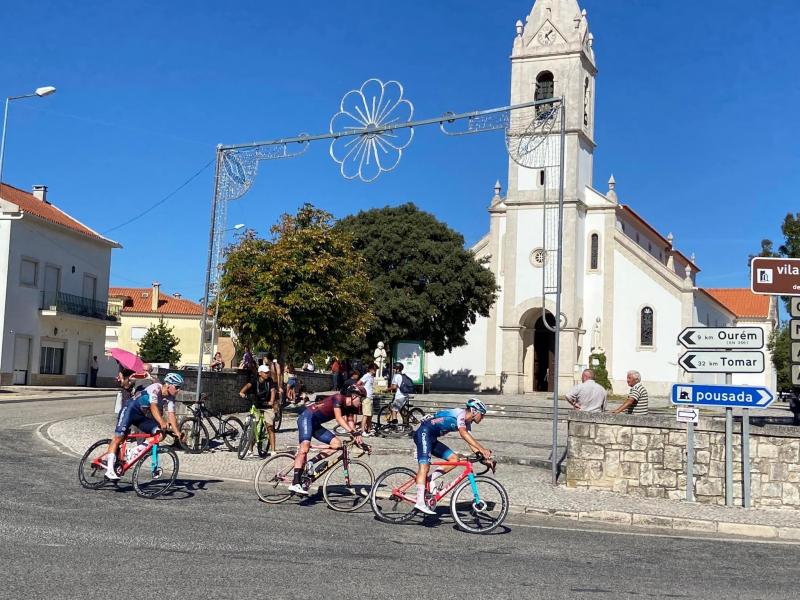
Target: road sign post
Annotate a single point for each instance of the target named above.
(690, 416)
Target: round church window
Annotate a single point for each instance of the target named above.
(537, 257)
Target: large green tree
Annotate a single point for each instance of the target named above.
(780, 342)
(302, 291)
(159, 344)
(426, 285)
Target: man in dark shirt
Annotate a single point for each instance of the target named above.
(266, 400)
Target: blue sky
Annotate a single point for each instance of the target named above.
(696, 114)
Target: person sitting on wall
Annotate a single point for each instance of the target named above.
(636, 403)
(588, 396)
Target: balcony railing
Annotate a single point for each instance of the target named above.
(78, 305)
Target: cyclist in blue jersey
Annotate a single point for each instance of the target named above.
(144, 411)
(427, 441)
(342, 407)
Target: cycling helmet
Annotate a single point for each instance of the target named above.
(398, 366)
(356, 390)
(476, 405)
(174, 379)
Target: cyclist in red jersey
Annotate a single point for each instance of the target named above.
(342, 407)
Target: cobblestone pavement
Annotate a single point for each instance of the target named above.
(529, 488)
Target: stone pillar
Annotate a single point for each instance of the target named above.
(512, 359)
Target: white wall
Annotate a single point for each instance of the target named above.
(471, 357)
(529, 236)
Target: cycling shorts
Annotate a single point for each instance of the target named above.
(308, 427)
(131, 415)
(428, 444)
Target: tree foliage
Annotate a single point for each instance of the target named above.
(159, 344)
(426, 285)
(779, 345)
(303, 291)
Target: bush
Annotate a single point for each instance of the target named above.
(597, 363)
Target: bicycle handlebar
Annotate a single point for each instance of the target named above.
(478, 457)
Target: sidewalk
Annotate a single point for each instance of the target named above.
(17, 393)
(529, 488)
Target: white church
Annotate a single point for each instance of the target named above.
(627, 291)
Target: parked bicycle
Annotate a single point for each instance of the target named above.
(346, 487)
(411, 416)
(155, 467)
(479, 504)
(255, 434)
(195, 428)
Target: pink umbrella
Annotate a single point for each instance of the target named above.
(127, 360)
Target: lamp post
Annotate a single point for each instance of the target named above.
(39, 93)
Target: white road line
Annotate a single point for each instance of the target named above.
(32, 424)
(679, 536)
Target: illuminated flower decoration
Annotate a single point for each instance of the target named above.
(365, 112)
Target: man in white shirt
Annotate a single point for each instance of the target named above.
(368, 381)
(588, 396)
(400, 399)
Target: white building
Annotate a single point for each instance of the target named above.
(53, 293)
(626, 288)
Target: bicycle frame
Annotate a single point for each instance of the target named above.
(467, 473)
(151, 446)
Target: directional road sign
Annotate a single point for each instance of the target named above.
(713, 361)
(795, 354)
(796, 375)
(794, 329)
(794, 307)
(775, 276)
(722, 338)
(721, 395)
(687, 414)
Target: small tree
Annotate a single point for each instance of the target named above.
(159, 344)
(779, 345)
(597, 363)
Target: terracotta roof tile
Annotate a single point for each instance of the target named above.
(741, 301)
(30, 204)
(138, 300)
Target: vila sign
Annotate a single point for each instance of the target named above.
(709, 361)
(721, 395)
(723, 338)
(775, 276)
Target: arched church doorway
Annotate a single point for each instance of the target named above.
(544, 354)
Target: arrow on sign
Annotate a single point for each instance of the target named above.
(687, 338)
(687, 414)
(686, 362)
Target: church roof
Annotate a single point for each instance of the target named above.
(629, 211)
(741, 301)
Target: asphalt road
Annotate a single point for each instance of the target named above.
(213, 539)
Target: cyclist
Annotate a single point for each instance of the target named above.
(343, 407)
(400, 398)
(266, 400)
(144, 410)
(427, 441)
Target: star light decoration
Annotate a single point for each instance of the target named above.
(371, 122)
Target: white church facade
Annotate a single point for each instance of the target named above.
(627, 291)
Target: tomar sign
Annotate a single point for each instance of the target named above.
(721, 395)
(775, 276)
(723, 338)
(710, 361)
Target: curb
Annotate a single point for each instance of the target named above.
(675, 524)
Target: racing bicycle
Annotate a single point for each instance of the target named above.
(195, 428)
(347, 483)
(479, 504)
(155, 467)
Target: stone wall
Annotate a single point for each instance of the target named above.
(646, 456)
(223, 387)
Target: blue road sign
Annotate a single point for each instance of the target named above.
(721, 395)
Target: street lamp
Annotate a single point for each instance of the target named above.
(38, 93)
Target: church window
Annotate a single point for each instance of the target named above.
(545, 88)
(586, 101)
(541, 177)
(594, 251)
(646, 327)
(537, 257)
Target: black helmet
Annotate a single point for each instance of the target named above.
(398, 366)
(356, 390)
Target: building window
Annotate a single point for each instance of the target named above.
(51, 361)
(646, 327)
(137, 333)
(545, 88)
(594, 251)
(538, 257)
(28, 272)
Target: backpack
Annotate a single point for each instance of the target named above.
(407, 385)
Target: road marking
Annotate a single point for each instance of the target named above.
(31, 424)
(678, 536)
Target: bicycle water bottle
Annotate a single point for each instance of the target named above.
(130, 452)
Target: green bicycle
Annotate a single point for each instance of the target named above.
(255, 434)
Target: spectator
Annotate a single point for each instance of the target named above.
(335, 367)
(217, 364)
(636, 404)
(355, 376)
(93, 368)
(368, 381)
(588, 396)
(309, 365)
(248, 362)
(126, 389)
(277, 375)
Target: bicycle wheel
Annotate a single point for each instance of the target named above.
(90, 474)
(231, 430)
(348, 490)
(415, 416)
(483, 516)
(262, 443)
(394, 494)
(384, 414)
(274, 477)
(151, 478)
(247, 439)
(195, 435)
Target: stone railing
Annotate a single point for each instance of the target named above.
(646, 456)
